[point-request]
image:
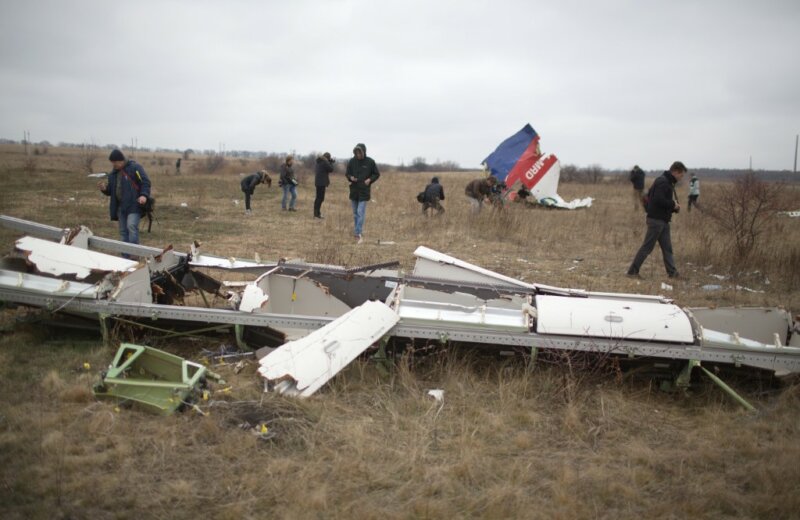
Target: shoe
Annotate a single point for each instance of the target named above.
(292, 209)
(319, 216)
(359, 239)
(674, 275)
(248, 212)
(283, 209)
(633, 275)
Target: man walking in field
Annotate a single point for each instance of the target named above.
(661, 204)
(362, 172)
(637, 180)
(128, 188)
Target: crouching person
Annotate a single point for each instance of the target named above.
(432, 197)
(249, 184)
(128, 188)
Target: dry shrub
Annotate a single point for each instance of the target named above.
(742, 211)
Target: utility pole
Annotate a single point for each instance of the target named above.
(796, 139)
(26, 136)
(751, 163)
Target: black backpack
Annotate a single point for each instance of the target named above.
(421, 197)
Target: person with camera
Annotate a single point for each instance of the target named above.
(128, 188)
(322, 171)
(289, 183)
(661, 204)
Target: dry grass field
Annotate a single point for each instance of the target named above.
(565, 438)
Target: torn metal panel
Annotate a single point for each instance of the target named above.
(433, 264)
(253, 298)
(53, 233)
(63, 260)
(756, 323)
(44, 285)
(133, 287)
(152, 379)
(424, 306)
(302, 367)
(167, 260)
(292, 295)
(595, 317)
(78, 237)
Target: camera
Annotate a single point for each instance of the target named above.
(333, 160)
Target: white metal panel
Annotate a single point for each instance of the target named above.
(253, 298)
(293, 295)
(611, 318)
(418, 305)
(132, 287)
(301, 367)
(60, 259)
(44, 285)
(434, 264)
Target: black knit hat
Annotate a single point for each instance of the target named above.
(116, 155)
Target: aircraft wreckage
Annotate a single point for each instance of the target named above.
(311, 320)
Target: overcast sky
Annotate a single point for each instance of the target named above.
(613, 83)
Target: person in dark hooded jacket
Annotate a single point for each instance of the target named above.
(249, 184)
(362, 172)
(433, 194)
(322, 171)
(661, 204)
(637, 180)
(128, 188)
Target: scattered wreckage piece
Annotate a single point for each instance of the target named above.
(301, 367)
(518, 160)
(151, 379)
(447, 299)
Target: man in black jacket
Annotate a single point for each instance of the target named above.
(433, 194)
(661, 204)
(362, 172)
(322, 171)
(637, 179)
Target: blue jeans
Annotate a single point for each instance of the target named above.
(359, 214)
(129, 226)
(287, 189)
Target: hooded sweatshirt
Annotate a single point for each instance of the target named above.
(361, 170)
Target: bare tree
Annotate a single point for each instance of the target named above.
(742, 211)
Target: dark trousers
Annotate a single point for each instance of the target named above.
(247, 195)
(319, 200)
(432, 205)
(657, 231)
(692, 202)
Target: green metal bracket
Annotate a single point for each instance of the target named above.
(534, 355)
(154, 380)
(380, 357)
(240, 342)
(683, 379)
(103, 318)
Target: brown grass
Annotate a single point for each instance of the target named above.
(552, 441)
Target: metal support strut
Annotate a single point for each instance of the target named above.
(682, 381)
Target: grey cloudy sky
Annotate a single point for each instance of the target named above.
(613, 82)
